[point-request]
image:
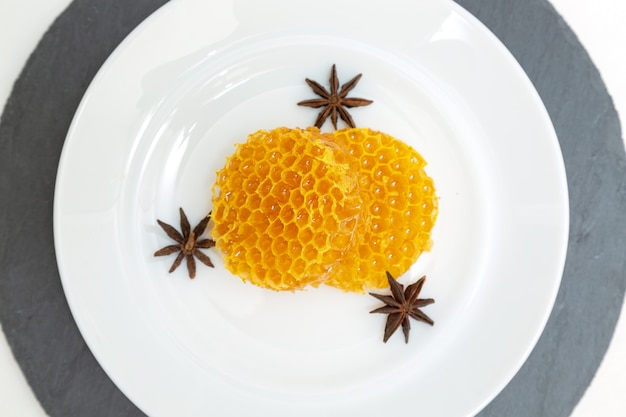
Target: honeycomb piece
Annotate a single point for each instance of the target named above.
(285, 207)
(400, 209)
(295, 207)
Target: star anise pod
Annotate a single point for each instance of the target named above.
(187, 243)
(335, 101)
(401, 305)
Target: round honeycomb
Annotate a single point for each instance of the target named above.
(285, 208)
(400, 208)
(295, 207)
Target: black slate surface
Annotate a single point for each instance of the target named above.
(35, 317)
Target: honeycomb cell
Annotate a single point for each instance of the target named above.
(309, 253)
(286, 213)
(296, 199)
(283, 261)
(379, 209)
(370, 145)
(257, 219)
(308, 183)
(367, 163)
(254, 202)
(330, 225)
(385, 156)
(259, 155)
(311, 200)
(275, 230)
(291, 177)
(304, 164)
(305, 234)
(323, 187)
(355, 151)
(288, 162)
(299, 266)
(282, 192)
(316, 221)
(397, 202)
(327, 205)
(246, 153)
(273, 156)
(251, 184)
(247, 168)
(269, 206)
(398, 183)
(265, 243)
(295, 249)
(241, 200)
(254, 254)
(381, 173)
(286, 145)
(291, 230)
(276, 173)
(320, 239)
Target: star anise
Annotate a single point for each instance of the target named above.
(401, 305)
(187, 243)
(335, 101)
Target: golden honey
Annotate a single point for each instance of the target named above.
(297, 207)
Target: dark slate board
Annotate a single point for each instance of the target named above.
(34, 314)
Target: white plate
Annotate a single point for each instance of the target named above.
(198, 76)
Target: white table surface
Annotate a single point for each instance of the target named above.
(598, 24)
